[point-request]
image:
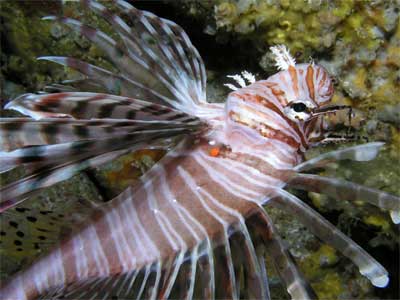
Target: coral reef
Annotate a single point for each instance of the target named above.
(358, 41)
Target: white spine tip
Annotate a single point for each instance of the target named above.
(283, 59)
(395, 215)
(249, 77)
(231, 86)
(8, 105)
(47, 18)
(381, 281)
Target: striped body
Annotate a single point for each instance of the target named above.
(188, 199)
(261, 107)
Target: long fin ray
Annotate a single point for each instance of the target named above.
(170, 277)
(56, 154)
(67, 163)
(246, 259)
(115, 84)
(127, 60)
(94, 106)
(178, 44)
(134, 42)
(296, 285)
(365, 152)
(328, 233)
(17, 133)
(345, 190)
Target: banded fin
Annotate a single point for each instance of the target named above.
(113, 83)
(145, 283)
(365, 152)
(173, 45)
(128, 63)
(328, 233)
(64, 146)
(53, 154)
(295, 283)
(154, 51)
(127, 285)
(62, 161)
(80, 105)
(18, 191)
(22, 132)
(345, 190)
(249, 269)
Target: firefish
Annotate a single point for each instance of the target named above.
(173, 234)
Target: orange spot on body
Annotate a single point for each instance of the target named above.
(214, 152)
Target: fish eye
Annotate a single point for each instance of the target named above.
(299, 110)
(299, 107)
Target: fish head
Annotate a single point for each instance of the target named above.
(302, 91)
(287, 107)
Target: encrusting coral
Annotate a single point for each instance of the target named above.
(358, 41)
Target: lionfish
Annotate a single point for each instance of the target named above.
(172, 235)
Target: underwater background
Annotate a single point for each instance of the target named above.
(357, 41)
